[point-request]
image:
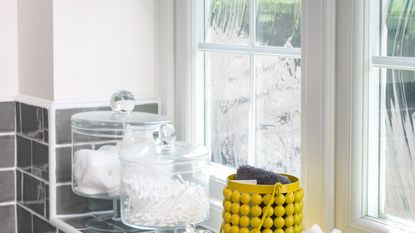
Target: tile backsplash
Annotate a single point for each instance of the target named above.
(7, 151)
(7, 167)
(32, 169)
(24, 167)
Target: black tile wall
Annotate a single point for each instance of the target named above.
(63, 122)
(151, 108)
(42, 226)
(24, 220)
(70, 203)
(24, 153)
(19, 186)
(32, 154)
(7, 220)
(7, 186)
(7, 164)
(35, 194)
(7, 117)
(17, 117)
(31, 223)
(7, 151)
(40, 160)
(26, 146)
(63, 164)
(31, 118)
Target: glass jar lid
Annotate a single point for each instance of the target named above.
(149, 153)
(164, 150)
(112, 123)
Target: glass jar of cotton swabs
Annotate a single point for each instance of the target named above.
(164, 185)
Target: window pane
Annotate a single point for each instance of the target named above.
(278, 101)
(279, 23)
(227, 107)
(227, 21)
(397, 145)
(400, 24)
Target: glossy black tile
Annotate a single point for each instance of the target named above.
(18, 118)
(7, 151)
(7, 193)
(7, 220)
(19, 186)
(42, 226)
(69, 203)
(35, 194)
(24, 220)
(150, 108)
(46, 136)
(40, 160)
(24, 153)
(7, 117)
(63, 122)
(45, 118)
(31, 121)
(63, 164)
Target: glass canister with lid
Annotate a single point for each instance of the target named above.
(164, 185)
(96, 139)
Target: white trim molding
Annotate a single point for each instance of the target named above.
(317, 120)
(350, 73)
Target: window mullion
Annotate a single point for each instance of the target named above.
(252, 117)
(403, 63)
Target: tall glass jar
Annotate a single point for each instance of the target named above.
(96, 139)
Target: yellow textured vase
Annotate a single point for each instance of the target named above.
(250, 208)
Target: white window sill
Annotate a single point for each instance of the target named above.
(371, 224)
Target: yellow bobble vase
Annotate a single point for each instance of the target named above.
(262, 208)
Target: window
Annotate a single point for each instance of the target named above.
(392, 112)
(250, 84)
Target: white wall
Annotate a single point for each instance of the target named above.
(35, 32)
(8, 49)
(101, 46)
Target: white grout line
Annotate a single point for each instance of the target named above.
(7, 134)
(32, 139)
(139, 100)
(52, 161)
(30, 174)
(15, 217)
(63, 226)
(63, 145)
(7, 203)
(43, 103)
(65, 216)
(7, 169)
(63, 184)
(32, 212)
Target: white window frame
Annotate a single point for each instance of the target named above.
(358, 44)
(251, 50)
(317, 124)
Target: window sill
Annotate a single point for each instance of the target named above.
(371, 224)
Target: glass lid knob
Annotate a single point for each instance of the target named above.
(165, 138)
(122, 102)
